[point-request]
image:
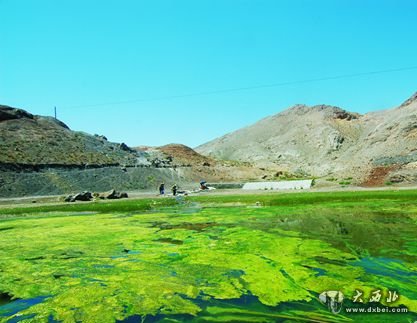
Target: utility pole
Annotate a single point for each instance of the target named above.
(55, 112)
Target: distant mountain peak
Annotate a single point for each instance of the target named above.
(323, 139)
(327, 110)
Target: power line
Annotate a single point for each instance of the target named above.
(247, 88)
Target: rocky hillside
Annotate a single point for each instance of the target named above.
(195, 167)
(323, 140)
(176, 155)
(27, 139)
(42, 156)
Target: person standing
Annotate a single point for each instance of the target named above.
(174, 190)
(162, 189)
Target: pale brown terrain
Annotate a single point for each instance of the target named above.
(196, 167)
(326, 141)
(43, 156)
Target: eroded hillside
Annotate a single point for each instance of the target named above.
(326, 140)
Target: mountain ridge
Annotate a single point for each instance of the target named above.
(324, 140)
(29, 139)
(43, 156)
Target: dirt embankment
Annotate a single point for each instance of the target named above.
(378, 176)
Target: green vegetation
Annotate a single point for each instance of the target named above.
(247, 258)
(151, 179)
(331, 179)
(119, 206)
(344, 183)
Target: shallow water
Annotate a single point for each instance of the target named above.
(15, 306)
(240, 264)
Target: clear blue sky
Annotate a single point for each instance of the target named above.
(81, 53)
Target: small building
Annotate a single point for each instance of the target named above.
(282, 185)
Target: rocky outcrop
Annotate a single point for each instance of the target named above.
(83, 196)
(9, 113)
(88, 196)
(344, 115)
(176, 155)
(125, 147)
(112, 195)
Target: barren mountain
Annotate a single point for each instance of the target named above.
(175, 155)
(326, 140)
(195, 167)
(27, 139)
(43, 156)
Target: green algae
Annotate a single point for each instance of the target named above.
(174, 264)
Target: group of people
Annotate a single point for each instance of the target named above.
(174, 189)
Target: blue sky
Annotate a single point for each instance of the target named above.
(82, 56)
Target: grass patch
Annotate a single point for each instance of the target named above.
(132, 205)
(137, 205)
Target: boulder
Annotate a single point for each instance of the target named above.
(101, 137)
(344, 115)
(113, 195)
(83, 196)
(397, 178)
(110, 195)
(125, 147)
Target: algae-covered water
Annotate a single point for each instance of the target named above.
(232, 259)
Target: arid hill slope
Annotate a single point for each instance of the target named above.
(324, 140)
(42, 156)
(36, 140)
(196, 167)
